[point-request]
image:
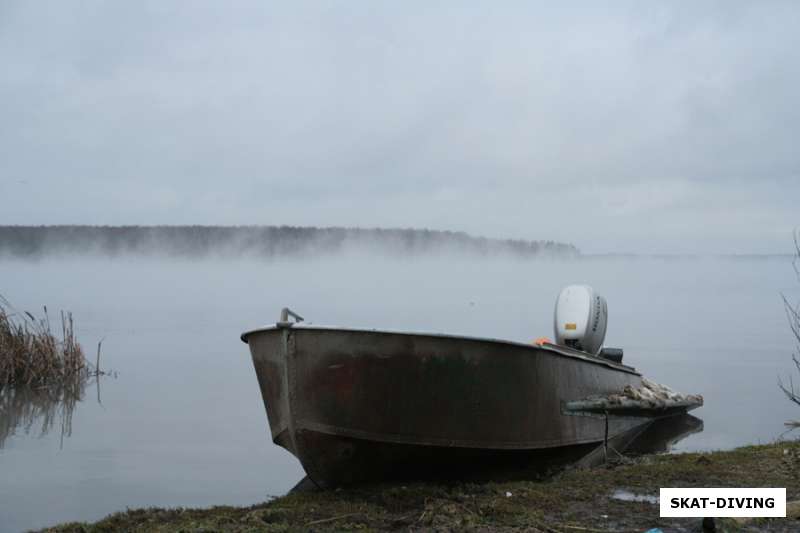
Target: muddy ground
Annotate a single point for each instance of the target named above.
(572, 501)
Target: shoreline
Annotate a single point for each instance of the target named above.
(614, 497)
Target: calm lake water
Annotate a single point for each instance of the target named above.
(183, 424)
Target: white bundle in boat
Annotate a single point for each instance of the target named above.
(651, 396)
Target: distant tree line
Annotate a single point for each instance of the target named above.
(266, 241)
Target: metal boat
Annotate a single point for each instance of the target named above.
(357, 405)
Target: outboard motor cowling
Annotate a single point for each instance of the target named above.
(581, 317)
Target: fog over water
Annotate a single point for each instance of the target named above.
(183, 422)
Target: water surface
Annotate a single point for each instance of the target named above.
(183, 423)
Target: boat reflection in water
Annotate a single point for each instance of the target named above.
(663, 434)
(657, 436)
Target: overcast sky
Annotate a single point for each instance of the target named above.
(641, 126)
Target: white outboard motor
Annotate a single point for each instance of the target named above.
(580, 319)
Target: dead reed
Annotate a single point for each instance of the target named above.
(32, 355)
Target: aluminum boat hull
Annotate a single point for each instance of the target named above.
(364, 405)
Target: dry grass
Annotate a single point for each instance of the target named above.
(42, 376)
(32, 355)
(577, 500)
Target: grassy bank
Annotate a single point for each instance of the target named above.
(574, 501)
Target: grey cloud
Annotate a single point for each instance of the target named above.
(633, 126)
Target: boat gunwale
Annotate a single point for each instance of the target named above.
(548, 347)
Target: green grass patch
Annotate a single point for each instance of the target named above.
(573, 501)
